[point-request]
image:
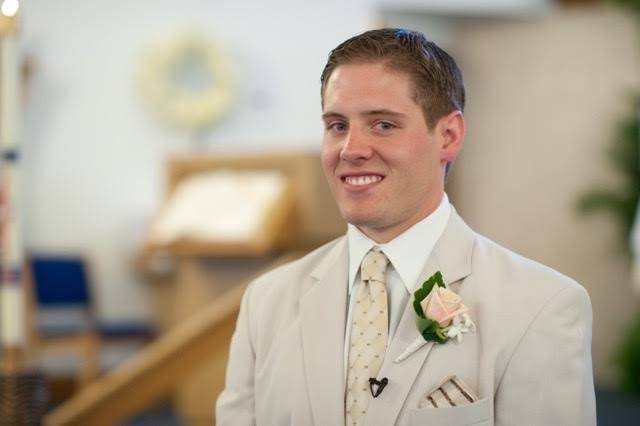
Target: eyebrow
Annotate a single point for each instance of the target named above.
(373, 112)
(384, 112)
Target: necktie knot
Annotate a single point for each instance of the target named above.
(374, 266)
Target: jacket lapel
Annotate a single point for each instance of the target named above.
(323, 311)
(451, 256)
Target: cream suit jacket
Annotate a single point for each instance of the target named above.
(529, 362)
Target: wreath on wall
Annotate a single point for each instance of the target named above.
(187, 81)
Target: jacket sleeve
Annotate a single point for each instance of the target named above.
(549, 378)
(236, 404)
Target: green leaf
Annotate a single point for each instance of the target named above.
(425, 324)
(434, 335)
(430, 330)
(420, 294)
(627, 357)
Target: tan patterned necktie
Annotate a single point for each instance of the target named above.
(369, 331)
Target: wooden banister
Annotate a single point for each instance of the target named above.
(152, 373)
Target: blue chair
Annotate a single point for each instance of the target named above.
(65, 318)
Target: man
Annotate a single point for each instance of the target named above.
(331, 338)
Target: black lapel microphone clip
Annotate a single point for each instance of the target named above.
(379, 384)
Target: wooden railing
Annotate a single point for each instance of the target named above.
(155, 371)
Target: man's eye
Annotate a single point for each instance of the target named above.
(336, 126)
(384, 125)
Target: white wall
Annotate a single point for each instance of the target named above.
(485, 8)
(94, 157)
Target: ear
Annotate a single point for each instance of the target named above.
(451, 130)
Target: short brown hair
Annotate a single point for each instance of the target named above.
(439, 89)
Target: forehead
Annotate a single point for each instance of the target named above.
(367, 85)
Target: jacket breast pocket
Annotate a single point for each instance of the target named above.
(476, 414)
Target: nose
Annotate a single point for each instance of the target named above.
(356, 147)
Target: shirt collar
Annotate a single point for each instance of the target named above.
(408, 252)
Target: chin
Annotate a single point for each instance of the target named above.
(365, 210)
(361, 220)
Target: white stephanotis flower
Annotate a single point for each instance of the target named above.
(460, 324)
(453, 331)
(467, 323)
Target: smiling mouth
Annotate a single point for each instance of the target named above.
(362, 180)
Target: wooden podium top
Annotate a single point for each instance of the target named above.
(303, 215)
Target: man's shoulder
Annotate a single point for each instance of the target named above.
(520, 296)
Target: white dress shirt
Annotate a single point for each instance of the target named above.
(407, 254)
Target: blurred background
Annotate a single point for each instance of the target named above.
(118, 120)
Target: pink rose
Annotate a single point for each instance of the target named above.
(441, 305)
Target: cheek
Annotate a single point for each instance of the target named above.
(419, 158)
(418, 167)
(427, 155)
(329, 158)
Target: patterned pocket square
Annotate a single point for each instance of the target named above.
(451, 392)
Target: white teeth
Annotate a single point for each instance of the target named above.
(362, 180)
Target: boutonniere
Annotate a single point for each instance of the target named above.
(440, 315)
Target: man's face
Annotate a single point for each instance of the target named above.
(384, 166)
